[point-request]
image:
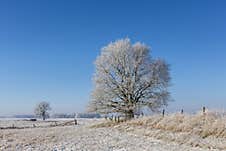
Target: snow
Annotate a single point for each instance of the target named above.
(82, 137)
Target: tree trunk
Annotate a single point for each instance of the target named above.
(129, 114)
(43, 116)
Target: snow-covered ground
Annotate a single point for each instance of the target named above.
(25, 123)
(82, 137)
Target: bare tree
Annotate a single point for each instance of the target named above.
(42, 109)
(128, 78)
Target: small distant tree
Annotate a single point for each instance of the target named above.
(128, 78)
(41, 110)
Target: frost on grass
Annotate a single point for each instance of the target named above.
(173, 132)
(201, 130)
(82, 137)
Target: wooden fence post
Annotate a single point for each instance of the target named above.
(163, 112)
(75, 121)
(204, 110)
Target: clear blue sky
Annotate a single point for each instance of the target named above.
(47, 49)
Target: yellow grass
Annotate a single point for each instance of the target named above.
(199, 130)
(204, 125)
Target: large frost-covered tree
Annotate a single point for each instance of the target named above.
(128, 78)
(41, 110)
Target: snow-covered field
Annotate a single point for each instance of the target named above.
(25, 123)
(82, 137)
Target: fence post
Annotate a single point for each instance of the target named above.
(204, 110)
(75, 121)
(163, 112)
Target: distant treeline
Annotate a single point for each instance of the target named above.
(58, 115)
(88, 115)
(23, 116)
(78, 115)
(63, 115)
